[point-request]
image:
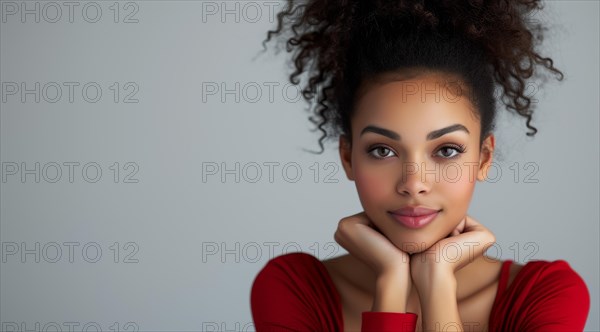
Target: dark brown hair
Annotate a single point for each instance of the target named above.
(342, 44)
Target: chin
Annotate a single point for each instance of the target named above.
(415, 246)
(412, 247)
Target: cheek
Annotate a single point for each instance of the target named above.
(457, 183)
(372, 186)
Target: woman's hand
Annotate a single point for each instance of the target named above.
(462, 246)
(361, 238)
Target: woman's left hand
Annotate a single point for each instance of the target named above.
(462, 246)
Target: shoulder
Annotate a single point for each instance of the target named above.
(557, 281)
(292, 268)
(295, 290)
(557, 276)
(546, 295)
(296, 261)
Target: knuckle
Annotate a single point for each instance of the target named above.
(343, 227)
(337, 237)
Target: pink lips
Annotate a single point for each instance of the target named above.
(414, 217)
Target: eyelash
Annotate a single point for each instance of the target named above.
(459, 148)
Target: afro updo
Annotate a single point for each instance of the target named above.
(342, 44)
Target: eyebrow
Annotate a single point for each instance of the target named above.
(432, 135)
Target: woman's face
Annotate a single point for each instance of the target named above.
(415, 143)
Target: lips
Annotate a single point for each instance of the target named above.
(414, 217)
(414, 211)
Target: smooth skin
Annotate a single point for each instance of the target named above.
(437, 271)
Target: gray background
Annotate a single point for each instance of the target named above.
(180, 246)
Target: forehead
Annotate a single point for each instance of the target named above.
(427, 101)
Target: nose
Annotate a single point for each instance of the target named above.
(413, 181)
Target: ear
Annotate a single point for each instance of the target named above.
(485, 157)
(346, 156)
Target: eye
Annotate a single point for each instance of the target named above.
(447, 151)
(380, 152)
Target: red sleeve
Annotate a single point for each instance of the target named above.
(545, 296)
(294, 292)
(388, 321)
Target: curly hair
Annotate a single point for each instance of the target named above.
(342, 44)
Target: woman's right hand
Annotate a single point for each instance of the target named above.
(361, 238)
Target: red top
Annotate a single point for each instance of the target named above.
(294, 292)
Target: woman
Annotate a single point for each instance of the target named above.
(408, 87)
